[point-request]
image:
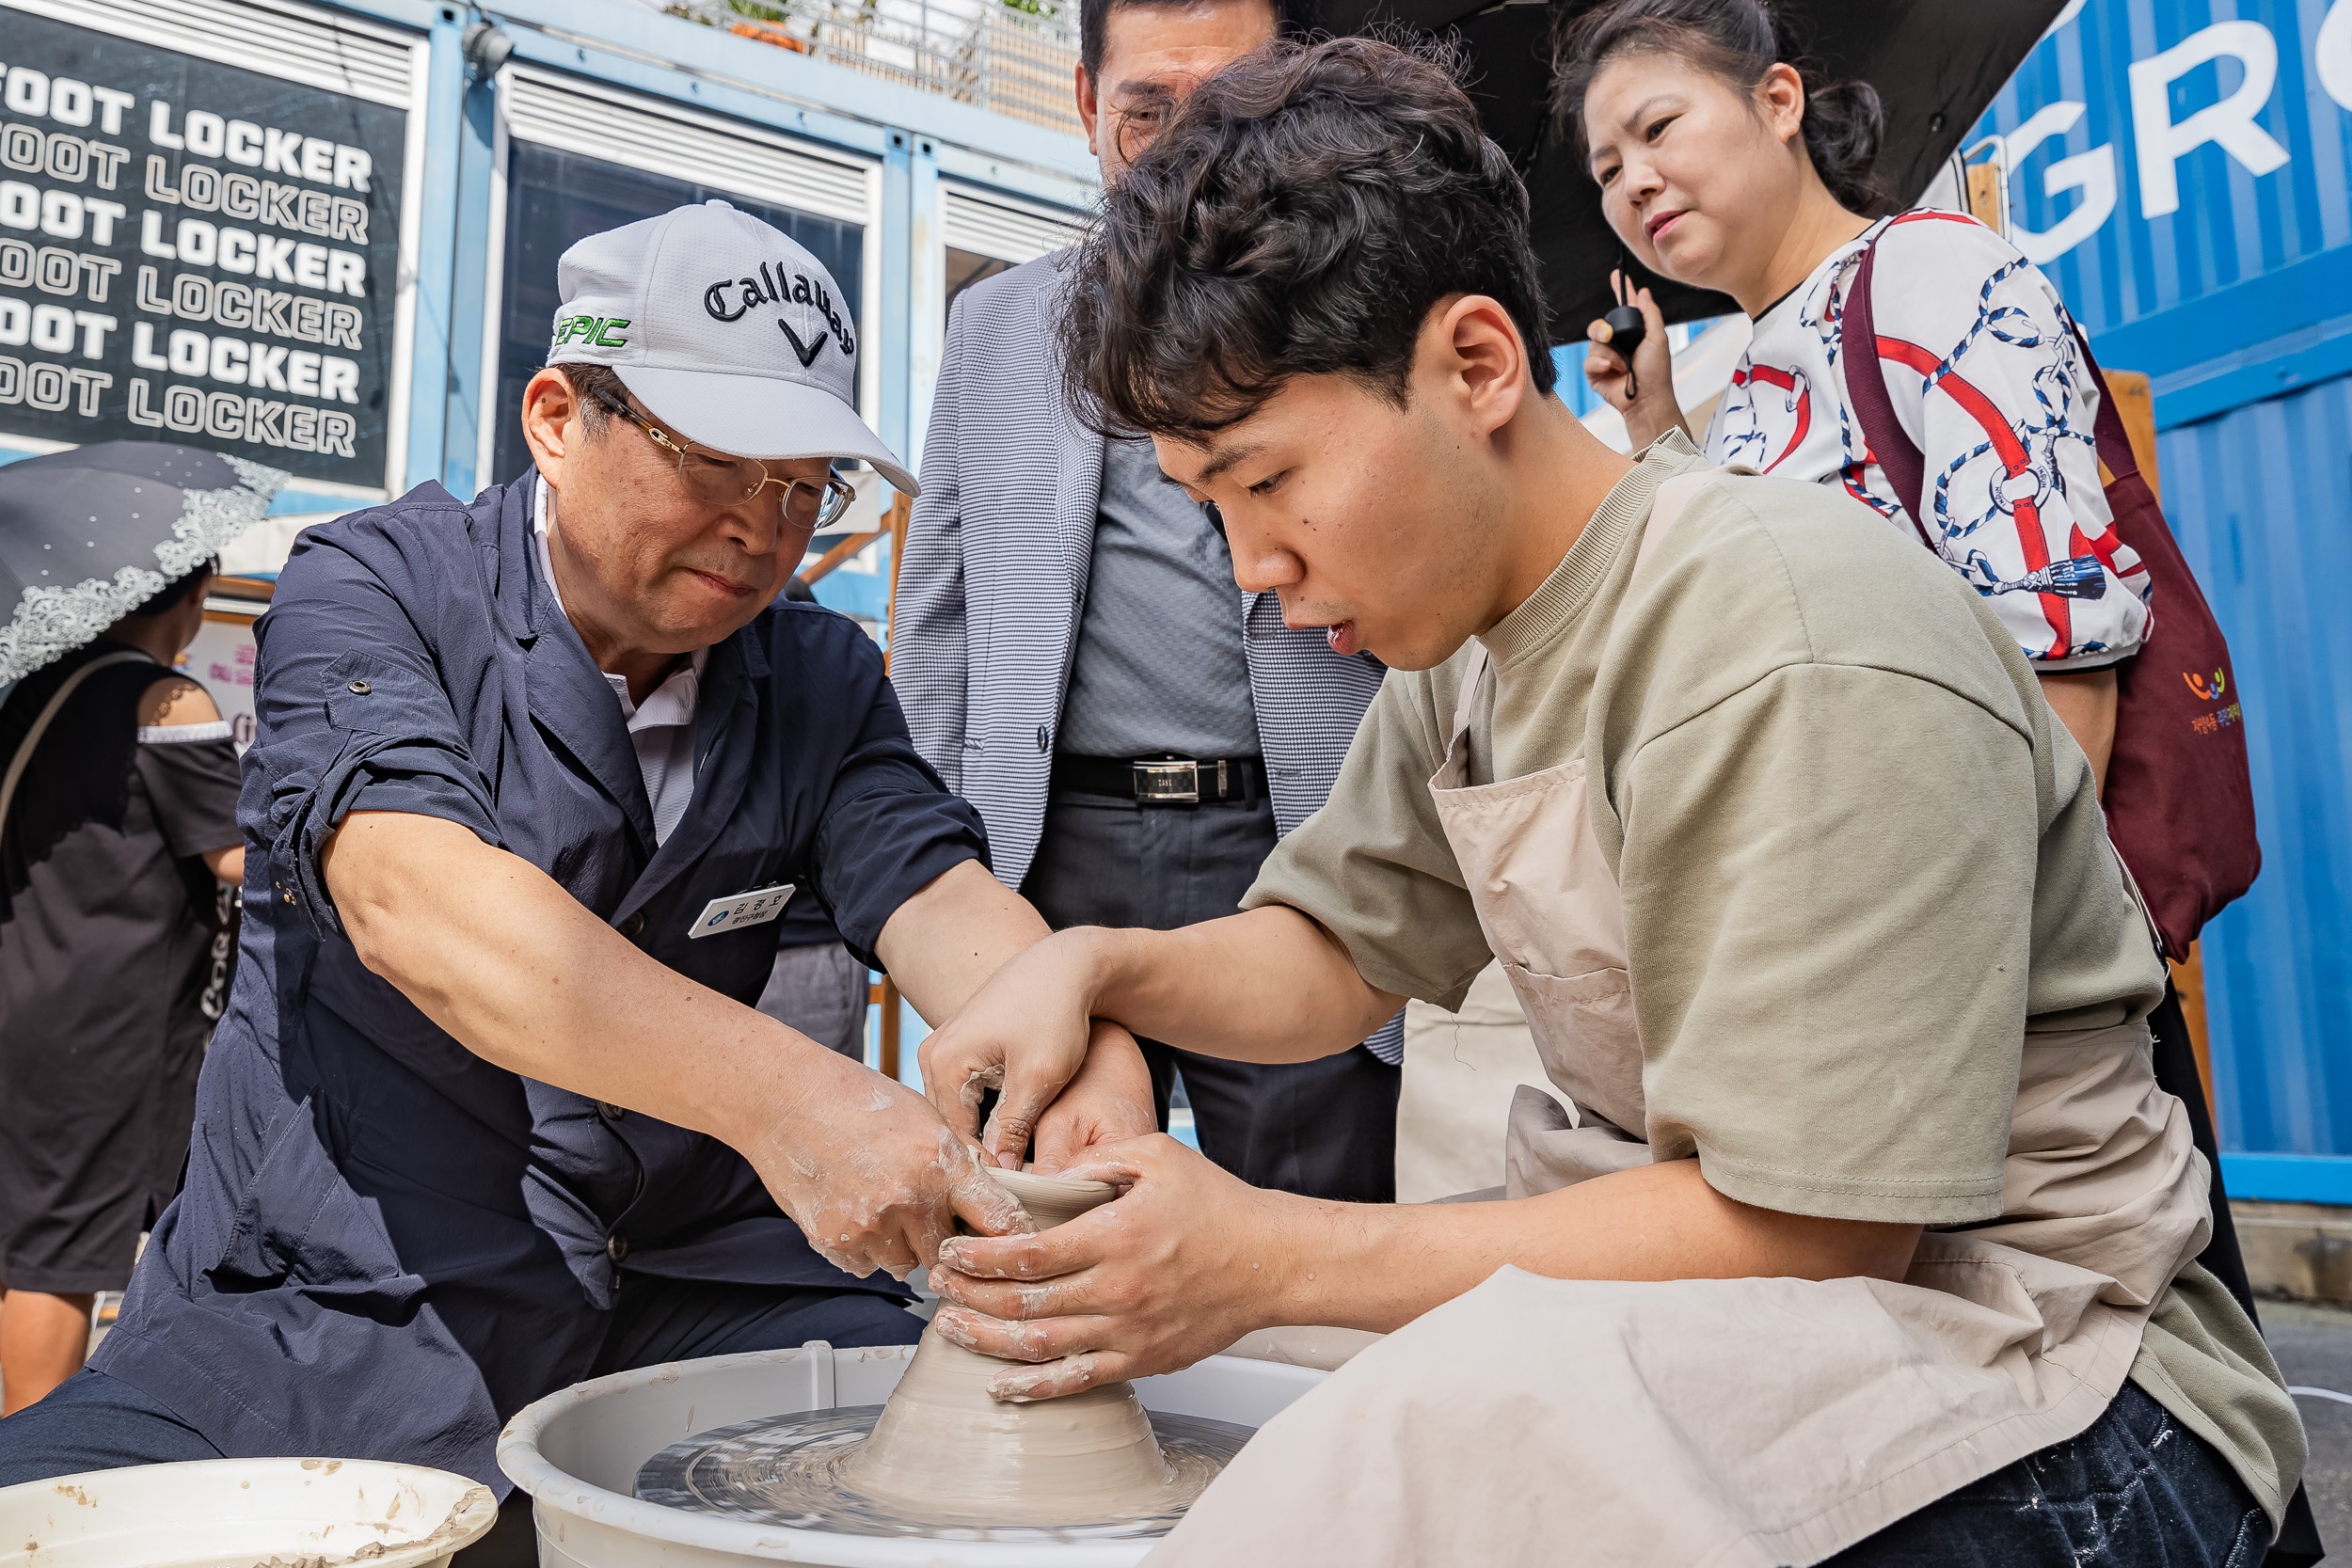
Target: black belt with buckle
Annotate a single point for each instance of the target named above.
(1163, 780)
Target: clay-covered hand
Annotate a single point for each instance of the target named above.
(1108, 1102)
(1025, 1034)
(868, 1170)
(1183, 1262)
(1654, 411)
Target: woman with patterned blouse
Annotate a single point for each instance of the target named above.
(1724, 165)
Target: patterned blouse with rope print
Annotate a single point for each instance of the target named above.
(1983, 371)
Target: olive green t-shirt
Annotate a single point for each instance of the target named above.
(1860, 859)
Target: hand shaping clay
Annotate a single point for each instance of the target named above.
(944, 1446)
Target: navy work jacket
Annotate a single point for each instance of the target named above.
(387, 1246)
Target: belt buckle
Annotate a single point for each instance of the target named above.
(1174, 784)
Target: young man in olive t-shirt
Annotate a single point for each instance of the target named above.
(1869, 1231)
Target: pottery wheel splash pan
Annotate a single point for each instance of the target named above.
(786, 1470)
(577, 1453)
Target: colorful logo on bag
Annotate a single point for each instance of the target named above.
(2218, 719)
(2207, 690)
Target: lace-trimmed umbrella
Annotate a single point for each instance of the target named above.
(1937, 64)
(88, 535)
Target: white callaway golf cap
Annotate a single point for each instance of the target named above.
(727, 331)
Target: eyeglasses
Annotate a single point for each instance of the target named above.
(731, 480)
(1137, 121)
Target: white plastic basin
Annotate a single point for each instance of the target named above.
(578, 1455)
(245, 1514)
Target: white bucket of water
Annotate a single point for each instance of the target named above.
(578, 1455)
(245, 1514)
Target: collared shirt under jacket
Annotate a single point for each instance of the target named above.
(387, 1246)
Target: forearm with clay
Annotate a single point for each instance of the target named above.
(1386, 1266)
(941, 946)
(520, 974)
(1189, 1259)
(497, 954)
(1266, 986)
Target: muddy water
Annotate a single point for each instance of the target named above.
(789, 1470)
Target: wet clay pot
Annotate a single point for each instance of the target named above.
(942, 1440)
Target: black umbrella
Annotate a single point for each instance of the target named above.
(1936, 65)
(90, 534)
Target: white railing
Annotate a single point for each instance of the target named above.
(1013, 61)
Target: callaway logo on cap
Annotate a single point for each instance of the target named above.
(727, 330)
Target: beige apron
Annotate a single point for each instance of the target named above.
(1462, 1070)
(1756, 1421)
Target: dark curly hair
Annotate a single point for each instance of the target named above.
(1737, 41)
(1302, 216)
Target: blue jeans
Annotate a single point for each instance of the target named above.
(2138, 1490)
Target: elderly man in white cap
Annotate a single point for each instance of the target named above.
(490, 1112)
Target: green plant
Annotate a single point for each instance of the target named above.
(758, 12)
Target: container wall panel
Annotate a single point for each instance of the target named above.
(2262, 498)
(2231, 224)
(2182, 169)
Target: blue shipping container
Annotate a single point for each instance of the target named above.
(2183, 170)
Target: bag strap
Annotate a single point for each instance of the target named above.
(1882, 434)
(2139, 901)
(57, 700)
(2114, 444)
(1905, 467)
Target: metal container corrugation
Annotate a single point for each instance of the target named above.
(2262, 498)
(2232, 225)
(2211, 246)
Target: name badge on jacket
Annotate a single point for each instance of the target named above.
(756, 907)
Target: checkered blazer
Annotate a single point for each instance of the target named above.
(995, 577)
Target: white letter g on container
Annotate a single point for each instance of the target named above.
(2092, 173)
(2230, 122)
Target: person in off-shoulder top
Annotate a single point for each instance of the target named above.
(119, 854)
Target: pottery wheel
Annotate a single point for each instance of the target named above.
(786, 1470)
(944, 1458)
